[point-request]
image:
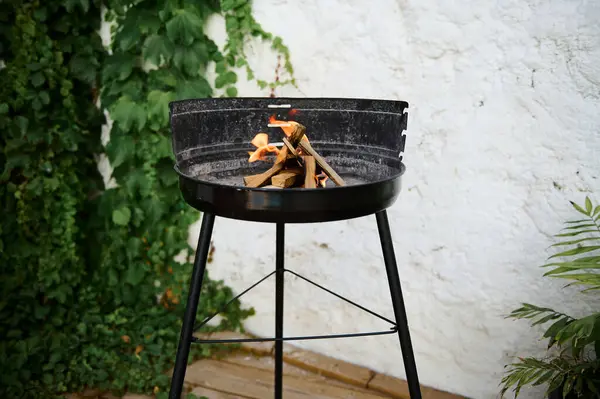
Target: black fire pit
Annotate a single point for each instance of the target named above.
(362, 140)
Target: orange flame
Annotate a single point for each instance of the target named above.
(321, 179)
(286, 129)
(261, 142)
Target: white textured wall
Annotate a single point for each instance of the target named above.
(504, 101)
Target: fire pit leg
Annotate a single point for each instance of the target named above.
(279, 270)
(398, 303)
(187, 330)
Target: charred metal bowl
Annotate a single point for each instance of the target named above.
(362, 139)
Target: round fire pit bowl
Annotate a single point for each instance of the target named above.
(361, 139)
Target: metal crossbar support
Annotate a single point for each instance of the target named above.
(400, 326)
(209, 318)
(392, 330)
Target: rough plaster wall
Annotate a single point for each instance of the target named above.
(504, 100)
(503, 131)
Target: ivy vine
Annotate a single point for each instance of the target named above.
(91, 293)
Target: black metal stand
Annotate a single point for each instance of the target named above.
(279, 270)
(398, 303)
(187, 330)
(400, 326)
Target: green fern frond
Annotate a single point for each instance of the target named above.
(581, 270)
(571, 371)
(581, 376)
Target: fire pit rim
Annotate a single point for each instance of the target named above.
(173, 105)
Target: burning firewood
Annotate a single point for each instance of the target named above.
(310, 169)
(307, 149)
(290, 147)
(287, 178)
(296, 161)
(263, 178)
(282, 155)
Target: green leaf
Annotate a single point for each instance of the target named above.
(596, 211)
(44, 97)
(231, 23)
(580, 226)
(230, 77)
(23, 124)
(166, 174)
(121, 216)
(128, 35)
(120, 148)
(588, 205)
(14, 161)
(135, 273)
(128, 114)
(556, 382)
(232, 92)
(157, 46)
(154, 209)
(84, 68)
(546, 319)
(113, 277)
(576, 251)
(184, 27)
(158, 106)
(47, 378)
(576, 233)
(148, 21)
(190, 59)
(220, 67)
(198, 88)
(575, 241)
(571, 267)
(137, 183)
(227, 5)
(3, 108)
(582, 278)
(37, 79)
(557, 326)
(118, 66)
(163, 147)
(567, 387)
(71, 4)
(162, 79)
(579, 209)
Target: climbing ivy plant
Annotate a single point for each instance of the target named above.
(92, 295)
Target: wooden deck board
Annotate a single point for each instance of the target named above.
(308, 369)
(267, 363)
(397, 388)
(256, 383)
(211, 394)
(328, 366)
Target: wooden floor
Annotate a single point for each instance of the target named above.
(249, 373)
